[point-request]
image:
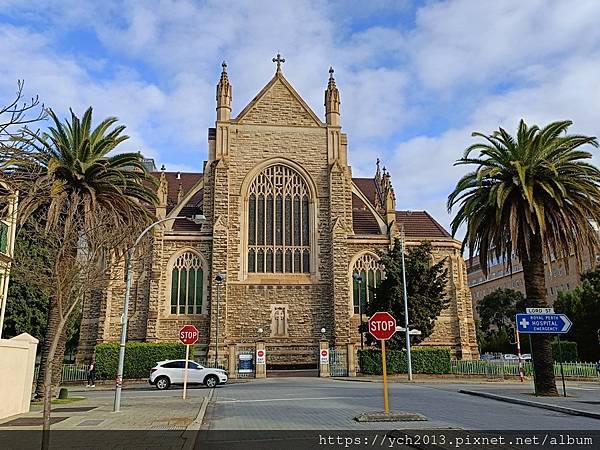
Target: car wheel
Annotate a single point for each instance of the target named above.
(163, 383)
(211, 381)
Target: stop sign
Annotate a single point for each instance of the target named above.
(382, 325)
(188, 334)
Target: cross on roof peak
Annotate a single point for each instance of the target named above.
(279, 60)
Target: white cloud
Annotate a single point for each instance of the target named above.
(422, 167)
(411, 93)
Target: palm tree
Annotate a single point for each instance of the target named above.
(534, 197)
(69, 180)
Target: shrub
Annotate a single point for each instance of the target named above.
(568, 349)
(63, 393)
(140, 357)
(424, 360)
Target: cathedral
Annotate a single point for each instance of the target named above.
(286, 227)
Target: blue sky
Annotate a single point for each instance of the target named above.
(416, 78)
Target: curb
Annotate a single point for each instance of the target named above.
(421, 380)
(191, 431)
(562, 409)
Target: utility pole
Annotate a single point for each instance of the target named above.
(407, 332)
(359, 280)
(124, 317)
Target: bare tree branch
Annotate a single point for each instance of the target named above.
(18, 114)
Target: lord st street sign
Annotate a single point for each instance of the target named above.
(543, 323)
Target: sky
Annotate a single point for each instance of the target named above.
(415, 78)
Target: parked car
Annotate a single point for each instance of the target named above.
(510, 357)
(526, 356)
(169, 372)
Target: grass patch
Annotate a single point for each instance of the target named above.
(59, 401)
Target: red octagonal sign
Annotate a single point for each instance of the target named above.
(188, 335)
(382, 325)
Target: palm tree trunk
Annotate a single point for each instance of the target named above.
(58, 354)
(535, 293)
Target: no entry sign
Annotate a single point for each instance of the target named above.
(324, 356)
(188, 335)
(382, 325)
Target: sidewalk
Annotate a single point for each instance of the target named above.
(582, 399)
(146, 419)
(426, 378)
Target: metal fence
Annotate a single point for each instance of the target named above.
(70, 372)
(78, 372)
(338, 363)
(203, 361)
(498, 369)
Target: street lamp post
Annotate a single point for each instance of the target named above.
(359, 279)
(407, 335)
(220, 278)
(124, 317)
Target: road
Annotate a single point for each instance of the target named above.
(324, 404)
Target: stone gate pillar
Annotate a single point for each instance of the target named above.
(323, 363)
(232, 362)
(351, 360)
(261, 360)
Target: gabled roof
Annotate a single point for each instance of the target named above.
(368, 186)
(419, 224)
(278, 103)
(186, 224)
(363, 220)
(187, 180)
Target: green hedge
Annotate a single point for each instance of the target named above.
(424, 360)
(140, 357)
(568, 349)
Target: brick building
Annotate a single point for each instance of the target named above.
(288, 225)
(559, 277)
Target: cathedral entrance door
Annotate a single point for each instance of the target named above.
(289, 360)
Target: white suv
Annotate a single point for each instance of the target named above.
(169, 372)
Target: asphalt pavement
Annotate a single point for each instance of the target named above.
(325, 404)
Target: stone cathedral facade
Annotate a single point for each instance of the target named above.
(288, 225)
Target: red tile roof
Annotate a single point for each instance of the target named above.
(419, 224)
(187, 181)
(368, 187)
(363, 220)
(187, 224)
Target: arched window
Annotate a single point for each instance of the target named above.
(187, 280)
(278, 222)
(371, 273)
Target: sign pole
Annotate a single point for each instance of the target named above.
(562, 374)
(185, 372)
(382, 326)
(188, 335)
(386, 405)
(521, 374)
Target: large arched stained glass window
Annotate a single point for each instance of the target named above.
(371, 273)
(278, 222)
(187, 280)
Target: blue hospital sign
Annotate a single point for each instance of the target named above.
(543, 323)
